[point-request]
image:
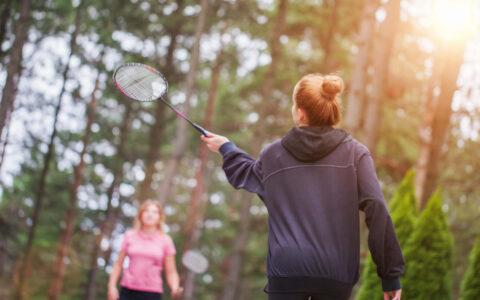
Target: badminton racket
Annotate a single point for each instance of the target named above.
(144, 83)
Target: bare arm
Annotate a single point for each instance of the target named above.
(173, 279)
(114, 276)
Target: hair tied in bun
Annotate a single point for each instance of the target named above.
(331, 86)
(318, 96)
(327, 96)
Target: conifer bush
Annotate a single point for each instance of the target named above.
(428, 254)
(471, 281)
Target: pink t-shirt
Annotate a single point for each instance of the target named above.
(147, 256)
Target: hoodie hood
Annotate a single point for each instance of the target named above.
(308, 144)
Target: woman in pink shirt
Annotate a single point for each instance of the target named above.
(149, 250)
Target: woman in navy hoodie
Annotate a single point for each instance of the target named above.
(313, 181)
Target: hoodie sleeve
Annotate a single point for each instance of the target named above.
(382, 239)
(242, 171)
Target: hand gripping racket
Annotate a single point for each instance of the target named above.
(143, 83)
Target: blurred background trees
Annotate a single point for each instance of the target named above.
(77, 158)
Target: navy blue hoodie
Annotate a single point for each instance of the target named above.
(313, 182)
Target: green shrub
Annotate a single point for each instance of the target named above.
(471, 281)
(428, 254)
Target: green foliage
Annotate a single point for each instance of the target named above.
(428, 254)
(471, 281)
(371, 284)
(403, 208)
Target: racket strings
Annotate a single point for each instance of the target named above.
(140, 83)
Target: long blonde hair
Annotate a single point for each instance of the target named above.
(137, 222)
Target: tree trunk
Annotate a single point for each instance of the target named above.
(156, 133)
(424, 132)
(70, 216)
(3, 22)
(373, 116)
(327, 63)
(43, 176)
(106, 230)
(275, 48)
(14, 65)
(437, 121)
(107, 226)
(203, 151)
(358, 82)
(3, 256)
(188, 277)
(182, 129)
(267, 108)
(199, 190)
(4, 144)
(232, 285)
(246, 292)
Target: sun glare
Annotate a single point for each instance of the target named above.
(453, 19)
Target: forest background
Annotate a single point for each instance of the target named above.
(77, 157)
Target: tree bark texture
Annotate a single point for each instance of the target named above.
(437, 120)
(275, 48)
(157, 131)
(267, 107)
(182, 129)
(3, 22)
(328, 42)
(62, 252)
(14, 65)
(373, 115)
(108, 224)
(4, 144)
(358, 82)
(195, 214)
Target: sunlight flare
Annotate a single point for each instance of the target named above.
(452, 19)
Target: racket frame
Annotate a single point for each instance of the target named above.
(196, 126)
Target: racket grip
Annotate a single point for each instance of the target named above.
(200, 129)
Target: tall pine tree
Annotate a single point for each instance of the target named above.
(429, 254)
(404, 214)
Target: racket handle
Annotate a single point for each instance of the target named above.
(200, 129)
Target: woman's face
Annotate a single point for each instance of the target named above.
(150, 216)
